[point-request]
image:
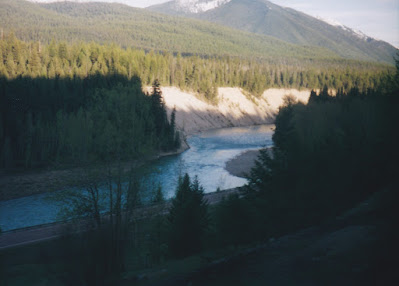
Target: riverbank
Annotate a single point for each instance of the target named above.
(205, 160)
(233, 107)
(241, 165)
(27, 183)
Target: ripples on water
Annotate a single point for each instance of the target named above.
(206, 159)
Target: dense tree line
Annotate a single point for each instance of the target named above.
(47, 116)
(140, 28)
(199, 74)
(327, 156)
(49, 90)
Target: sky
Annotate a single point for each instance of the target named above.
(376, 18)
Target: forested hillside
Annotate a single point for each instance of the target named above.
(60, 102)
(131, 27)
(266, 18)
(62, 107)
(199, 74)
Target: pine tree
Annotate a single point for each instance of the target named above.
(159, 197)
(187, 218)
(34, 61)
(174, 135)
(313, 96)
(160, 117)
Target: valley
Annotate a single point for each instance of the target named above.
(195, 142)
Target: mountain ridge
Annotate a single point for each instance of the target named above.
(144, 29)
(140, 28)
(266, 18)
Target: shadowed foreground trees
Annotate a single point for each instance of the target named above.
(78, 121)
(328, 155)
(188, 218)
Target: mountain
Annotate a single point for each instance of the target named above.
(126, 2)
(265, 18)
(140, 28)
(188, 7)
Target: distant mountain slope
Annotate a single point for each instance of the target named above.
(264, 17)
(186, 7)
(140, 28)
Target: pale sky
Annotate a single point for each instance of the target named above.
(376, 18)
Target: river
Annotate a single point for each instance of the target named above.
(206, 159)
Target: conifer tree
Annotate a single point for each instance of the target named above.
(188, 218)
(159, 197)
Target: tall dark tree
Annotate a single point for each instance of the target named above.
(158, 108)
(313, 96)
(159, 197)
(174, 135)
(188, 218)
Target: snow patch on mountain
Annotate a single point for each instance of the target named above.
(186, 6)
(198, 6)
(337, 24)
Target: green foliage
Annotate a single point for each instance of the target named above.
(70, 121)
(327, 156)
(188, 218)
(139, 28)
(62, 111)
(130, 27)
(266, 18)
(68, 106)
(201, 75)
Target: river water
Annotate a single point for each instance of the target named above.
(206, 159)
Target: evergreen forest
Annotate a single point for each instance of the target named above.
(68, 102)
(51, 114)
(50, 90)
